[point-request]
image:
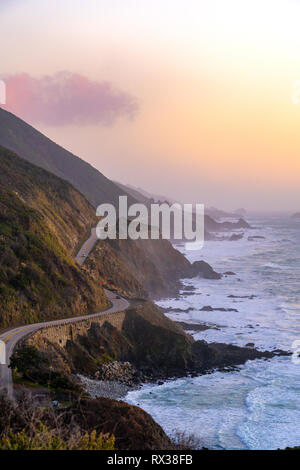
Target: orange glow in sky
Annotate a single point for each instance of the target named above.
(213, 80)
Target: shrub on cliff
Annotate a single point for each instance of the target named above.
(101, 424)
(43, 438)
(25, 426)
(35, 366)
(27, 358)
(133, 428)
(43, 220)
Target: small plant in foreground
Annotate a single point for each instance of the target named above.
(183, 441)
(26, 426)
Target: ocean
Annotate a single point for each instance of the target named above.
(257, 406)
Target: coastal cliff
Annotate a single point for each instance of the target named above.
(144, 268)
(156, 347)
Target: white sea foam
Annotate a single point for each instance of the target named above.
(259, 406)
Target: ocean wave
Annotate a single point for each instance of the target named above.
(257, 407)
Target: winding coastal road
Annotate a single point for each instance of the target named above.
(86, 247)
(9, 339)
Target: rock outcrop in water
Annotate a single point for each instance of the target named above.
(212, 226)
(236, 236)
(201, 269)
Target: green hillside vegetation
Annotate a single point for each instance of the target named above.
(39, 279)
(67, 213)
(24, 426)
(101, 424)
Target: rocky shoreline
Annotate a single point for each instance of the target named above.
(114, 380)
(106, 389)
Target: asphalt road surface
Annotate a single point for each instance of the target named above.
(9, 339)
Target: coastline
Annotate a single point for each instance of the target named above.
(243, 409)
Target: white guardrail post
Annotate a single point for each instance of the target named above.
(2, 353)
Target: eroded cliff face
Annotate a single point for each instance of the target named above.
(141, 268)
(108, 264)
(141, 335)
(127, 268)
(156, 347)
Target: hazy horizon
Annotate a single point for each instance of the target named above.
(192, 100)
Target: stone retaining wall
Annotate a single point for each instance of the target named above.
(60, 334)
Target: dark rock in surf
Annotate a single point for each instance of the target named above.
(203, 269)
(208, 308)
(236, 236)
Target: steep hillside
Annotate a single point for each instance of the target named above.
(134, 193)
(111, 267)
(101, 424)
(42, 220)
(28, 143)
(143, 196)
(128, 267)
(67, 213)
(133, 266)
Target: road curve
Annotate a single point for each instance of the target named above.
(86, 247)
(9, 339)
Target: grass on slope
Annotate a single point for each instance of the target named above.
(39, 279)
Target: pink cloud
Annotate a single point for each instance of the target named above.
(66, 98)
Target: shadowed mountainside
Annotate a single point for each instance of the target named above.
(153, 266)
(32, 145)
(136, 267)
(211, 225)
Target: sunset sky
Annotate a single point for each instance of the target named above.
(187, 98)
